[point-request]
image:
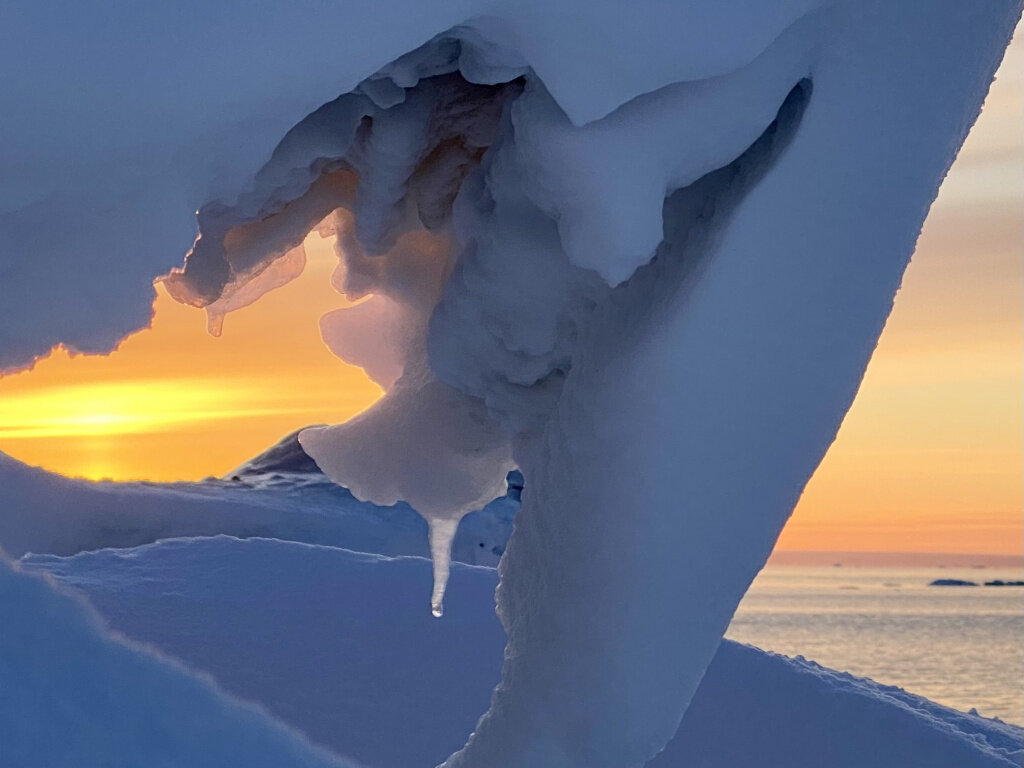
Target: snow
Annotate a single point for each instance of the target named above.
(73, 695)
(338, 643)
(157, 132)
(274, 495)
(643, 253)
(335, 644)
(338, 646)
(704, 391)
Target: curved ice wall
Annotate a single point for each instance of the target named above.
(642, 251)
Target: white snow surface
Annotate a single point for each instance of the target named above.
(643, 252)
(338, 646)
(73, 695)
(45, 513)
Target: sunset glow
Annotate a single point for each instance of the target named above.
(126, 408)
(174, 403)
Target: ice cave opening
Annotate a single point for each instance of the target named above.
(137, 412)
(429, 183)
(657, 302)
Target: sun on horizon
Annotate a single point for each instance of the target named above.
(174, 403)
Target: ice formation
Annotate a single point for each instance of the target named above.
(643, 252)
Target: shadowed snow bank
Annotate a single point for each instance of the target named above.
(43, 512)
(71, 695)
(336, 644)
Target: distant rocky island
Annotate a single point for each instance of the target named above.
(966, 583)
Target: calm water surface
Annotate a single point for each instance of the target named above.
(960, 646)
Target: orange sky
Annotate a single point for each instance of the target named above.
(929, 459)
(175, 403)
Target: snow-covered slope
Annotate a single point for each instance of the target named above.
(72, 696)
(338, 645)
(45, 513)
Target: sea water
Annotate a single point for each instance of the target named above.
(960, 646)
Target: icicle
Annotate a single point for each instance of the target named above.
(442, 533)
(214, 321)
(246, 288)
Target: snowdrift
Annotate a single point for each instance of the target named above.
(337, 645)
(46, 513)
(73, 695)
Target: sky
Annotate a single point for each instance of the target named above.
(929, 458)
(174, 403)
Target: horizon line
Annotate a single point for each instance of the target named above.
(854, 557)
